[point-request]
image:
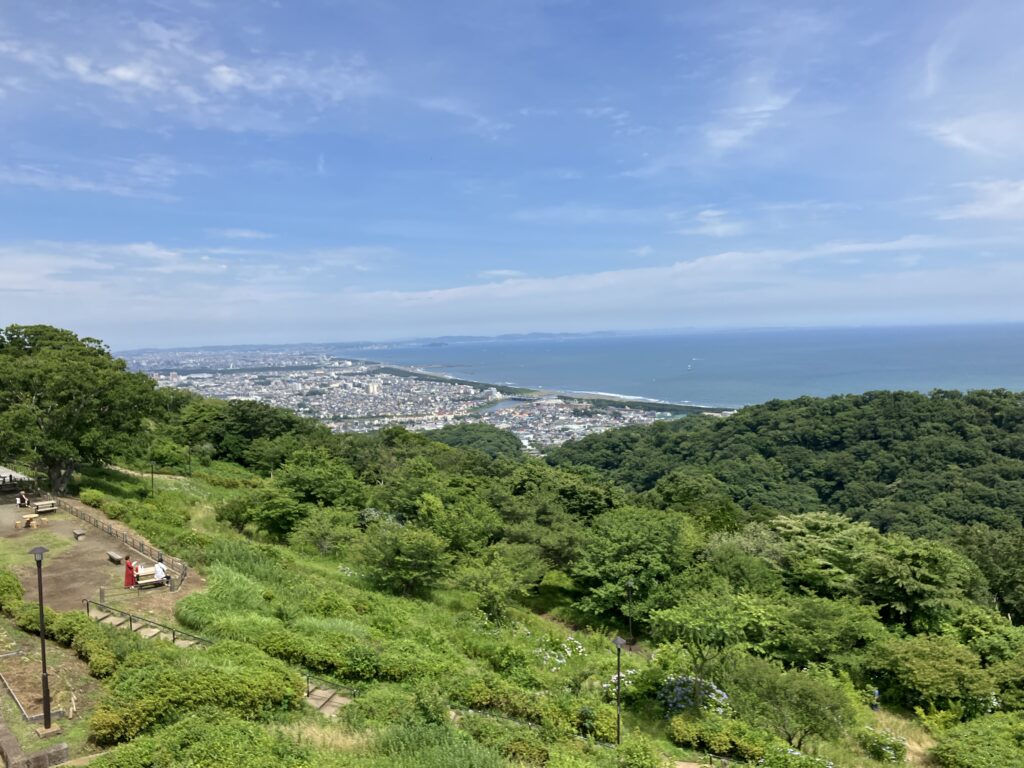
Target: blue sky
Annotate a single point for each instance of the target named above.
(180, 172)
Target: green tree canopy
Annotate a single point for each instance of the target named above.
(65, 400)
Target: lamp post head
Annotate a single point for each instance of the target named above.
(38, 552)
(619, 642)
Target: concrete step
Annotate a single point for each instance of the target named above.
(114, 621)
(330, 709)
(327, 701)
(98, 616)
(147, 632)
(319, 696)
(183, 642)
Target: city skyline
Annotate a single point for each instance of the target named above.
(212, 173)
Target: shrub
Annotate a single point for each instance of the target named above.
(415, 745)
(405, 559)
(11, 592)
(991, 741)
(883, 746)
(787, 757)
(208, 739)
(160, 682)
(637, 751)
(383, 704)
(26, 616)
(65, 626)
(515, 741)
(93, 498)
(596, 722)
(681, 692)
(720, 736)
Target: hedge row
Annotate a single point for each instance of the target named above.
(102, 648)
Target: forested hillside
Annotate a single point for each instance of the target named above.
(947, 466)
(777, 567)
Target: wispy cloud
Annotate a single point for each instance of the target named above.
(985, 133)
(178, 73)
(150, 176)
(712, 222)
(726, 288)
(759, 101)
(621, 121)
(472, 118)
(1002, 199)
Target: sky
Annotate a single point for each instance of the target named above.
(179, 172)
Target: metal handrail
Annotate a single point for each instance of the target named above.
(132, 618)
(325, 683)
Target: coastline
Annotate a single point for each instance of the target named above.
(606, 399)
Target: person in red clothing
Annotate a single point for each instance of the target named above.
(129, 574)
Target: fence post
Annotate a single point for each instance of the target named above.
(130, 628)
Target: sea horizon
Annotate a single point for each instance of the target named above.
(727, 368)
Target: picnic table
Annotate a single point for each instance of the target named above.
(49, 505)
(30, 520)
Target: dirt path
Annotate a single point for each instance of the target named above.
(136, 473)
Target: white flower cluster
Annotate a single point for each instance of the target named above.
(554, 655)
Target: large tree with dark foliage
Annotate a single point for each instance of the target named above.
(65, 400)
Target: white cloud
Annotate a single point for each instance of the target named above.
(994, 133)
(999, 200)
(182, 76)
(712, 222)
(205, 296)
(758, 103)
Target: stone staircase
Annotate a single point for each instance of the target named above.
(321, 697)
(327, 701)
(143, 628)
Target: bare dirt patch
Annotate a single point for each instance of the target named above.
(76, 570)
(72, 689)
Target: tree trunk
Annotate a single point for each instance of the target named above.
(60, 475)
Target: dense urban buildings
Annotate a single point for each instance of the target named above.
(360, 396)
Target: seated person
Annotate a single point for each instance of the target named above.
(160, 573)
(22, 499)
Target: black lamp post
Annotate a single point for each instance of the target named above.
(39, 552)
(619, 644)
(629, 600)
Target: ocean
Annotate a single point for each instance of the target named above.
(733, 368)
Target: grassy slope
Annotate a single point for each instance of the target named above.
(422, 654)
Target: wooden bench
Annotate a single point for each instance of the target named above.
(146, 577)
(79, 534)
(45, 506)
(115, 557)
